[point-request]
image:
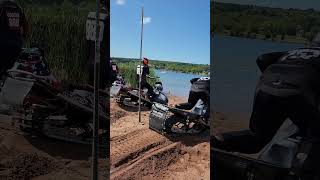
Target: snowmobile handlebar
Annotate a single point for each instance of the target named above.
(53, 86)
(181, 112)
(153, 77)
(28, 73)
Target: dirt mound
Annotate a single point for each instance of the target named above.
(117, 114)
(26, 166)
(152, 164)
(170, 161)
(194, 163)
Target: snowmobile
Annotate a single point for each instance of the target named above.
(179, 119)
(131, 97)
(118, 87)
(282, 158)
(44, 106)
(164, 119)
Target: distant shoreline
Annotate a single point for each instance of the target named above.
(265, 23)
(260, 37)
(189, 68)
(200, 74)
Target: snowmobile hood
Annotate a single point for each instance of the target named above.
(14, 91)
(161, 106)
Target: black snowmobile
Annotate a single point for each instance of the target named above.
(118, 87)
(282, 159)
(45, 106)
(179, 119)
(131, 97)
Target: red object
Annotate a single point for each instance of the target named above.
(145, 61)
(56, 84)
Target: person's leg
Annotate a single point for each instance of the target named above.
(149, 87)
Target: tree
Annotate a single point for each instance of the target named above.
(283, 36)
(291, 30)
(308, 36)
(267, 35)
(253, 28)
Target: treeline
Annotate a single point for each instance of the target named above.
(54, 2)
(263, 22)
(172, 66)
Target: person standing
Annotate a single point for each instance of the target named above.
(144, 75)
(13, 31)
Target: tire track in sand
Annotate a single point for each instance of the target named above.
(128, 148)
(150, 164)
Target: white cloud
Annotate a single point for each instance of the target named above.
(146, 20)
(120, 2)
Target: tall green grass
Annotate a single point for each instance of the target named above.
(129, 72)
(60, 31)
(63, 40)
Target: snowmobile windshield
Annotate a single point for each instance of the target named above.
(158, 88)
(161, 98)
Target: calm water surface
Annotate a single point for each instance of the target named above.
(176, 83)
(235, 70)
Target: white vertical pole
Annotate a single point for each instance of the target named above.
(140, 73)
(96, 98)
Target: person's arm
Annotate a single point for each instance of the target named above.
(148, 74)
(265, 60)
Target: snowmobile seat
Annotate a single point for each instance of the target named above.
(185, 106)
(184, 113)
(134, 94)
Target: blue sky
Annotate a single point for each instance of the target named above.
(175, 30)
(298, 4)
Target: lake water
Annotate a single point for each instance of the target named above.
(235, 70)
(176, 83)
